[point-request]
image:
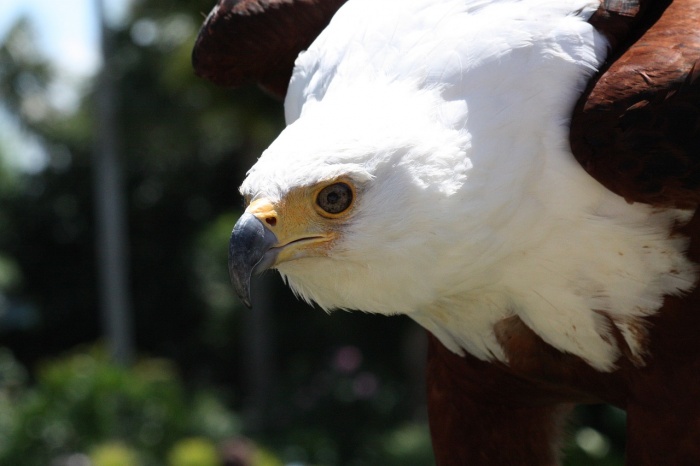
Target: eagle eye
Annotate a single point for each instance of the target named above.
(335, 198)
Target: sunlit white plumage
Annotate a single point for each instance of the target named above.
(451, 117)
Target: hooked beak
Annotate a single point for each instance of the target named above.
(250, 251)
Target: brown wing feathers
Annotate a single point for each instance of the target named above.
(257, 41)
(637, 128)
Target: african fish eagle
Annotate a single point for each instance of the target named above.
(520, 177)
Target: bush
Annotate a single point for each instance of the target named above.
(82, 404)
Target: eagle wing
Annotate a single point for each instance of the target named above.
(636, 129)
(256, 41)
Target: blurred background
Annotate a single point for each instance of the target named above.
(121, 343)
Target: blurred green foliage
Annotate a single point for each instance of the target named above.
(113, 454)
(339, 390)
(195, 451)
(83, 404)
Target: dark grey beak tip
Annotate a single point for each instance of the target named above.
(249, 253)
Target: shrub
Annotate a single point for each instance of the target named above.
(83, 404)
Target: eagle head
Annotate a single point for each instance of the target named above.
(351, 206)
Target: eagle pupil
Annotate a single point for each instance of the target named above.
(335, 198)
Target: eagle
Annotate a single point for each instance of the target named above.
(519, 177)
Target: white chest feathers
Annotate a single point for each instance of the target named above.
(579, 273)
